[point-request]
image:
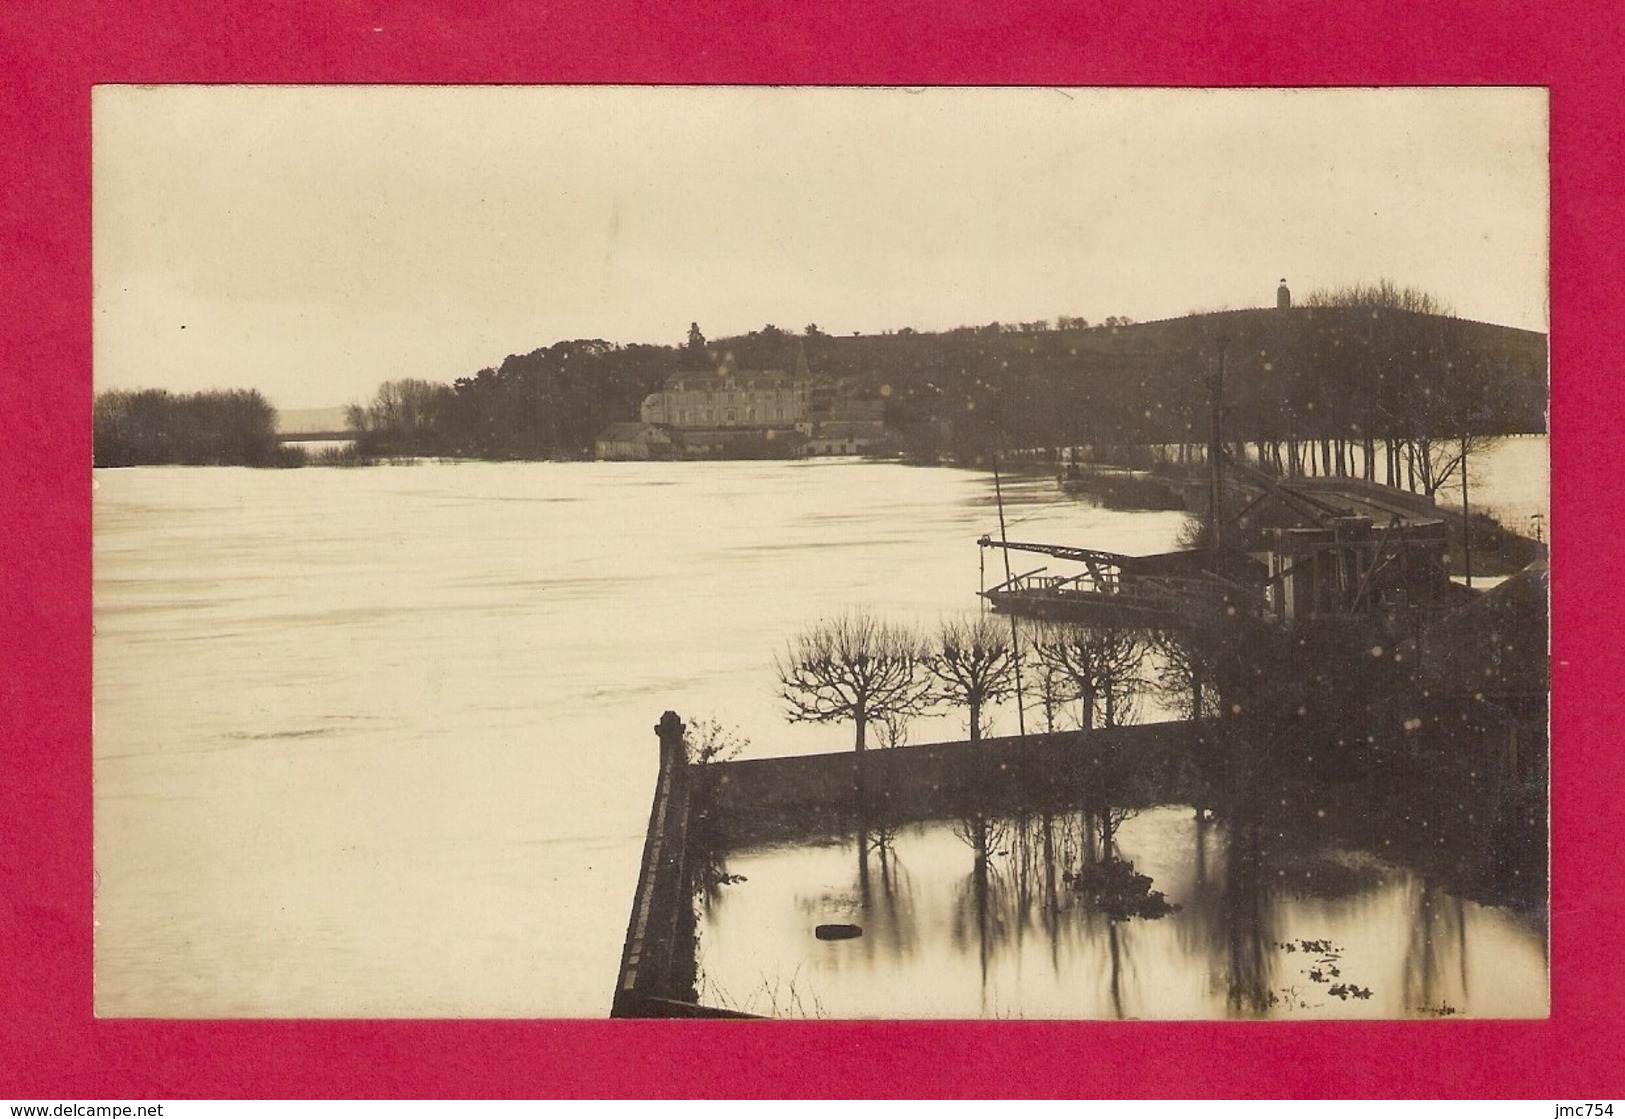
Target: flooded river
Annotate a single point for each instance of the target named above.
(1329, 933)
(379, 742)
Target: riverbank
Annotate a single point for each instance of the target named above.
(1508, 497)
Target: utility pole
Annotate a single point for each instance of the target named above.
(1466, 518)
(1015, 636)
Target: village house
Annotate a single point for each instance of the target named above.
(846, 427)
(632, 441)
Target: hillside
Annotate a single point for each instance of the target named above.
(1332, 375)
(1328, 372)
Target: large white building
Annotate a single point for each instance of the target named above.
(728, 398)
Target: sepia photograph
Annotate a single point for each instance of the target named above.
(820, 552)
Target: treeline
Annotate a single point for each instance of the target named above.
(1337, 373)
(153, 427)
(879, 675)
(550, 403)
(1377, 366)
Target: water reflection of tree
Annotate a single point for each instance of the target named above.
(1204, 900)
(1029, 854)
(1438, 940)
(1117, 941)
(1250, 918)
(885, 892)
(1107, 931)
(1017, 888)
(1109, 942)
(1231, 914)
(981, 917)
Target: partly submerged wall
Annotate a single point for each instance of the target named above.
(657, 958)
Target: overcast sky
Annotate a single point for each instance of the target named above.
(313, 242)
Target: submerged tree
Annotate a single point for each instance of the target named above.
(973, 664)
(855, 667)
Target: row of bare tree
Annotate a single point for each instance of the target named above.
(866, 670)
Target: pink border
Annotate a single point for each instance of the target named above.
(51, 1047)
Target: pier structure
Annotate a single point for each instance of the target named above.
(1353, 550)
(1116, 589)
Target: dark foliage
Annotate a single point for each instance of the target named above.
(549, 403)
(1116, 889)
(153, 427)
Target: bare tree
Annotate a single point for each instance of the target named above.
(1381, 294)
(893, 730)
(707, 741)
(1444, 416)
(1101, 664)
(972, 664)
(1054, 693)
(1188, 677)
(853, 667)
(401, 417)
(1434, 460)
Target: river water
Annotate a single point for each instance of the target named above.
(378, 742)
(1325, 932)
